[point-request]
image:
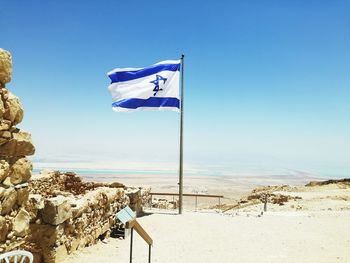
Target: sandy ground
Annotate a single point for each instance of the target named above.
(312, 229)
(202, 237)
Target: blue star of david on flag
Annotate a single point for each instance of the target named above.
(156, 83)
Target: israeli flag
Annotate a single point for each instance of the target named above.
(152, 88)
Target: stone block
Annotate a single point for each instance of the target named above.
(13, 110)
(20, 224)
(3, 229)
(21, 171)
(5, 66)
(22, 196)
(5, 136)
(4, 93)
(20, 145)
(4, 170)
(8, 199)
(5, 125)
(56, 210)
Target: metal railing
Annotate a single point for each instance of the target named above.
(190, 195)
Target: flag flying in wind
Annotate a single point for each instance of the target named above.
(154, 87)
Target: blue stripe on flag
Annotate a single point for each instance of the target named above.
(153, 102)
(130, 75)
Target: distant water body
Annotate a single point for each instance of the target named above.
(107, 175)
(101, 171)
(110, 175)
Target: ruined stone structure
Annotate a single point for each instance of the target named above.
(67, 214)
(15, 168)
(51, 214)
(162, 203)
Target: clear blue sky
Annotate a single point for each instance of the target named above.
(267, 83)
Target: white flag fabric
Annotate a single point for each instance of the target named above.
(152, 88)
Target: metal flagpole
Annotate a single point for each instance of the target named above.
(181, 136)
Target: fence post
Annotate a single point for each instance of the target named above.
(151, 201)
(265, 203)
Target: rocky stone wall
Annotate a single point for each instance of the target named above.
(67, 214)
(15, 168)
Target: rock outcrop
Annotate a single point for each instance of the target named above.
(267, 194)
(15, 168)
(340, 182)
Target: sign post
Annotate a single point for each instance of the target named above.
(128, 218)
